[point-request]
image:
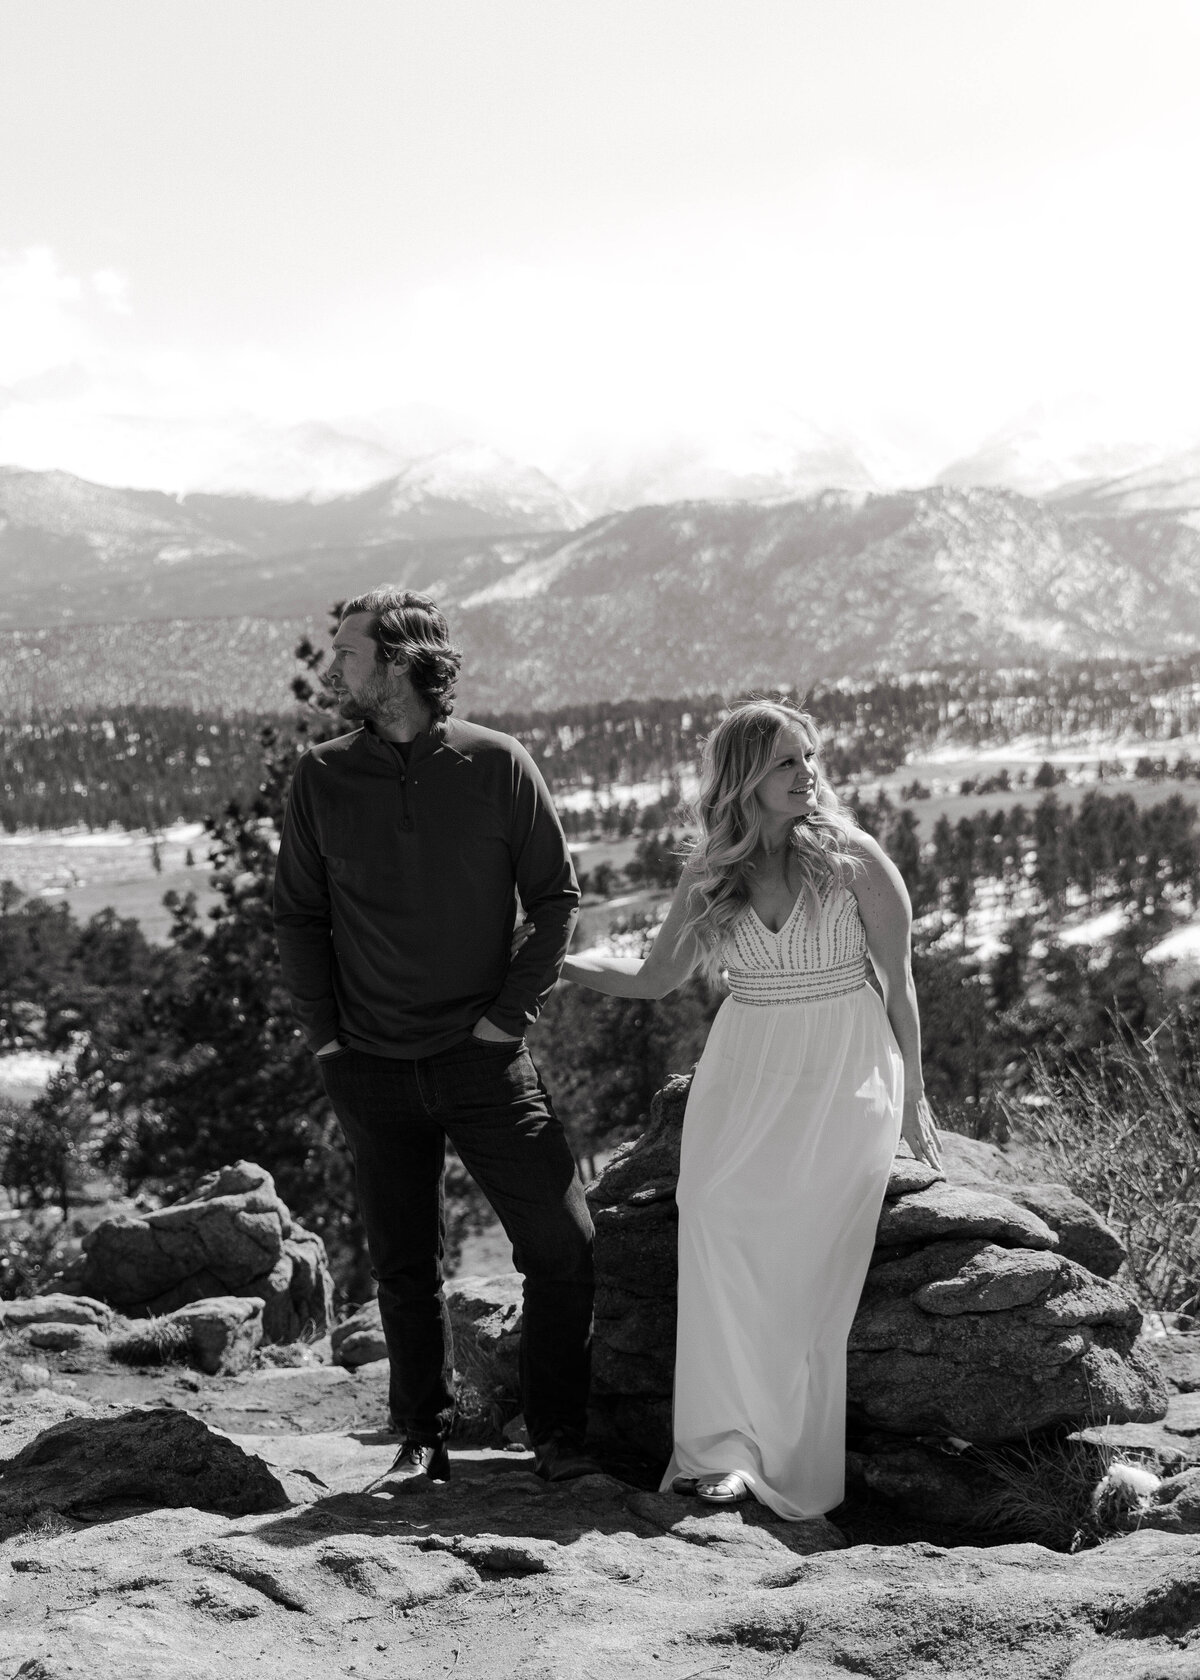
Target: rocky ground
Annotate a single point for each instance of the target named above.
(300, 1568)
(227, 1511)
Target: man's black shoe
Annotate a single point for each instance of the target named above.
(418, 1458)
(560, 1460)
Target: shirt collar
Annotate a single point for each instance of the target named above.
(442, 733)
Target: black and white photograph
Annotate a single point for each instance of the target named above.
(600, 839)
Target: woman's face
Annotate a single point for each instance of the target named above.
(789, 788)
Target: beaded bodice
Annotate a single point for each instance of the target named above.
(811, 958)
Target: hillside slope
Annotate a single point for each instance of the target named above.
(683, 598)
(70, 550)
(704, 596)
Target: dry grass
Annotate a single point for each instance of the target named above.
(486, 1401)
(155, 1341)
(1123, 1131)
(1045, 1491)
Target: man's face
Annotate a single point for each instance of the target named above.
(362, 685)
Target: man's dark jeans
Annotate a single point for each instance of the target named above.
(488, 1099)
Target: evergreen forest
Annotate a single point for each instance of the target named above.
(182, 1057)
(143, 766)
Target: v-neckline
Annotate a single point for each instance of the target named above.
(772, 932)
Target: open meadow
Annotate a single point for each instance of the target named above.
(130, 872)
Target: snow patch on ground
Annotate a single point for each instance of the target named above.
(1183, 946)
(27, 1072)
(620, 793)
(1104, 926)
(179, 834)
(1080, 749)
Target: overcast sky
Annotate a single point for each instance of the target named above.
(593, 221)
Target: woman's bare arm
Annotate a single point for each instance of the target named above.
(671, 959)
(886, 913)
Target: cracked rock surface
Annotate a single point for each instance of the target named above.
(497, 1574)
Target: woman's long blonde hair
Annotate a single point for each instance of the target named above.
(737, 755)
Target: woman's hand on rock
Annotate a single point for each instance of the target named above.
(919, 1132)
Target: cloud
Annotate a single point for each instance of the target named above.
(41, 325)
(114, 289)
(920, 320)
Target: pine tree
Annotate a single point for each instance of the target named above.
(210, 1067)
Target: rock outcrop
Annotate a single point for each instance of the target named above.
(1175, 1506)
(218, 1335)
(232, 1235)
(358, 1340)
(55, 1309)
(497, 1573)
(143, 1457)
(974, 1339)
(981, 1318)
(485, 1318)
(633, 1208)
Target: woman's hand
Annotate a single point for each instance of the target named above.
(919, 1132)
(520, 934)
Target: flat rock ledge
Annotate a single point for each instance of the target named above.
(497, 1573)
(219, 1334)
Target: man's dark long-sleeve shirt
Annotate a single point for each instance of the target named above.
(396, 888)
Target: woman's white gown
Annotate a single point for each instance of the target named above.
(791, 1125)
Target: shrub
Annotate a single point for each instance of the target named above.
(1122, 1129)
(31, 1255)
(43, 1147)
(156, 1341)
(1046, 1488)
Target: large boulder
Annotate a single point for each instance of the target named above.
(974, 1339)
(633, 1352)
(981, 1318)
(485, 1319)
(151, 1457)
(219, 1335)
(232, 1235)
(358, 1340)
(57, 1323)
(55, 1309)
(485, 1316)
(1082, 1234)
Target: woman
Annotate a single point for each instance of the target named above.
(805, 1085)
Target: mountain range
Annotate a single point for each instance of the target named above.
(672, 598)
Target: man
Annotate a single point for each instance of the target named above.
(404, 848)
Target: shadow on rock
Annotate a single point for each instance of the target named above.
(504, 1520)
(84, 1465)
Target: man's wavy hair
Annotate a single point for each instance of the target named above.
(737, 755)
(407, 625)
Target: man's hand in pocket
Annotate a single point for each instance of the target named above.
(484, 1029)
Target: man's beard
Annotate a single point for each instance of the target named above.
(370, 706)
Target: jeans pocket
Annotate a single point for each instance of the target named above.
(500, 1075)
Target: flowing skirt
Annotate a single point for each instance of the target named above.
(791, 1125)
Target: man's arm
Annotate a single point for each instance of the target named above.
(550, 898)
(302, 926)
